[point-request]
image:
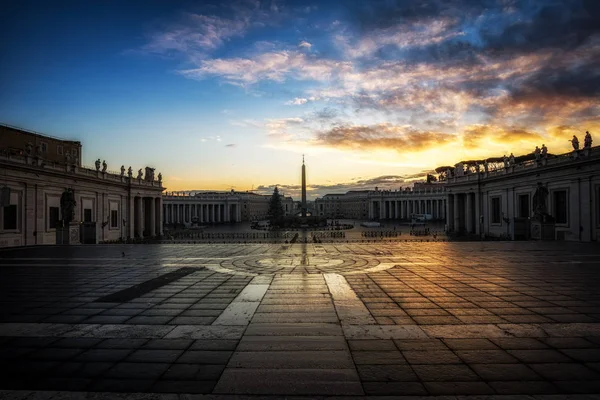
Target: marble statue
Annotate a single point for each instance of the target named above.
(38, 150)
(68, 157)
(537, 153)
(575, 143)
(139, 176)
(587, 142)
(159, 177)
(486, 166)
(98, 165)
(28, 148)
(104, 166)
(122, 170)
(544, 151)
(505, 160)
(512, 159)
(130, 172)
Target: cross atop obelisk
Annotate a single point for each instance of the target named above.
(303, 206)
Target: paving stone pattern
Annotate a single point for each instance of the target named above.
(310, 320)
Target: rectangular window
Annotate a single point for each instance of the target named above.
(87, 215)
(74, 152)
(59, 150)
(53, 217)
(559, 206)
(10, 217)
(524, 206)
(114, 219)
(496, 210)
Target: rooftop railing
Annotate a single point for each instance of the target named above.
(500, 169)
(72, 169)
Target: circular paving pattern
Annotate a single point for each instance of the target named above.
(305, 263)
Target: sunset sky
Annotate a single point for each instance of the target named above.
(229, 95)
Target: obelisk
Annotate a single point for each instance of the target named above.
(303, 188)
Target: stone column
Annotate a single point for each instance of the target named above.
(457, 212)
(212, 213)
(469, 213)
(152, 216)
(449, 212)
(477, 215)
(159, 215)
(227, 212)
(139, 217)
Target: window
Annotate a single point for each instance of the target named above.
(59, 150)
(87, 215)
(496, 211)
(74, 152)
(524, 206)
(559, 206)
(114, 219)
(9, 217)
(53, 217)
(44, 147)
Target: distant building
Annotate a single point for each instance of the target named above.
(385, 204)
(218, 207)
(108, 205)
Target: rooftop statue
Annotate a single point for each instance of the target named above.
(575, 143)
(104, 166)
(130, 172)
(98, 165)
(122, 170)
(587, 142)
(139, 176)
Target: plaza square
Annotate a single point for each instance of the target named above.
(312, 320)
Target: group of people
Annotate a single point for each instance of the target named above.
(587, 141)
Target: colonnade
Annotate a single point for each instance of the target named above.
(463, 210)
(402, 209)
(202, 213)
(147, 216)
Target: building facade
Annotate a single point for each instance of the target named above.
(386, 204)
(16, 141)
(108, 206)
(218, 207)
(500, 201)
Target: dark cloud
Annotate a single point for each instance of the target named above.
(580, 81)
(384, 136)
(381, 14)
(565, 24)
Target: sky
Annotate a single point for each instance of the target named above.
(230, 95)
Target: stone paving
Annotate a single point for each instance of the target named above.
(316, 320)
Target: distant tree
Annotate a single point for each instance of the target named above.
(431, 178)
(275, 208)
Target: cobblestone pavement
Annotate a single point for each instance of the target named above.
(314, 320)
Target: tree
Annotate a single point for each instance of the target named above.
(275, 208)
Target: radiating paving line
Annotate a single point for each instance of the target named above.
(350, 309)
(241, 310)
